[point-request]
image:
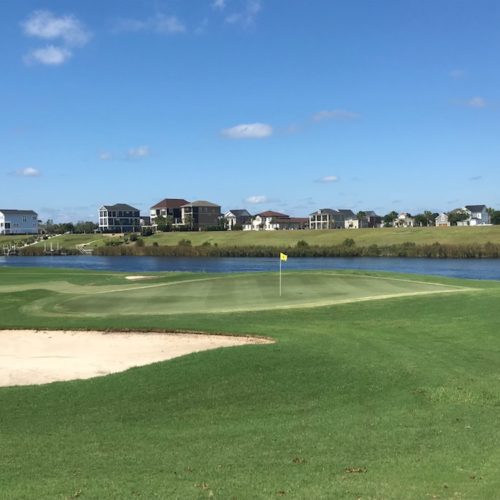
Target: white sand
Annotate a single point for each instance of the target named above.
(138, 278)
(38, 357)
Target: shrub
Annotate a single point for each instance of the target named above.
(348, 242)
(302, 244)
(184, 243)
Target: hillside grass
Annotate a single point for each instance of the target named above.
(394, 398)
(361, 237)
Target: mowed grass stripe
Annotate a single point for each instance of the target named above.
(231, 293)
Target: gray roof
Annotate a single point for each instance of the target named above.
(325, 211)
(240, 213)
(120, 206)
(346, 212)
(475, 208)
(201, 203)
(8, 211)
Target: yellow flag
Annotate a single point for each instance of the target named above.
(283, 256)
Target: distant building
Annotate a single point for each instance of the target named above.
(442, 220)
(119, 218)
(237, 217)
(275, 221)
(18, 221)
(200, 214)
(404, 220)
(329, 218)
(478, 215)
(170, 208)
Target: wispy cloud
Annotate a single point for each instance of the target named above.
(246, 16)
(160, 24)
(219, 4)
(257, 199)
(327, 179)
(49, 55)
(248, 131)
(476, 178)
(477, 102)
(27, 172)
(457, 74)
(105, 156)
(139, 152)
(44, 24)
(335, 114)
(66, 30)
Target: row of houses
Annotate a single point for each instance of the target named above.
(202, 215)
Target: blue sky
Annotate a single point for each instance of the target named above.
(290, 105)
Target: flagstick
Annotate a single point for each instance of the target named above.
(280, 275)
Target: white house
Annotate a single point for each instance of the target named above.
(442, 220)
(18, 222)
(478, 215)
(273, 221)
(404, 220)
(238, 217)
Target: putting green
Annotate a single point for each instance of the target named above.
(188, 294)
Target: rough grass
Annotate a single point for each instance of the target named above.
(392, 398)
(361, 237)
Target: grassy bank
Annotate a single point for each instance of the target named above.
(452, 242)
(386, 398)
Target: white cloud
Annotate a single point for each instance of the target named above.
(247, 15)
(160, 24)
(257, 199)
(28, 172)
(106, 156)
(50, 55)
(139, 152)
(477, 102)
(336, 114)
(43, 24)
(248, 131)
(219, 4)
(328, 179)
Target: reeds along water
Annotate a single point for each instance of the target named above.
(434, 251)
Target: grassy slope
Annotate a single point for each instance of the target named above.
(405, 391)
(362, 237)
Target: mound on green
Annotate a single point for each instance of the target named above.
(389, 398)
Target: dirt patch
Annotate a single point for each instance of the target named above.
(40, 356)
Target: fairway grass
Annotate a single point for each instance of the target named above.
(376, 399)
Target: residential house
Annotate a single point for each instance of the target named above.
(274, 221)
(237, 218)
(372, 219)
(119, 218)
(478, 215)
(18, 221)
(442, 220)
(404, 219)
(170, 209)
(200, 215)
(328, 218)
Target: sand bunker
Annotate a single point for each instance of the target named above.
(38, 357)
(139, 278)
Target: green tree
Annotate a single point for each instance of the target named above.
(161, 223)
(361, 216)
(495, 217)
(389, 218)
(457, 215)
(421, 220)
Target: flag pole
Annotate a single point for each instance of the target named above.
(280, 275)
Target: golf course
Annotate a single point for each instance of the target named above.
(365, 385)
